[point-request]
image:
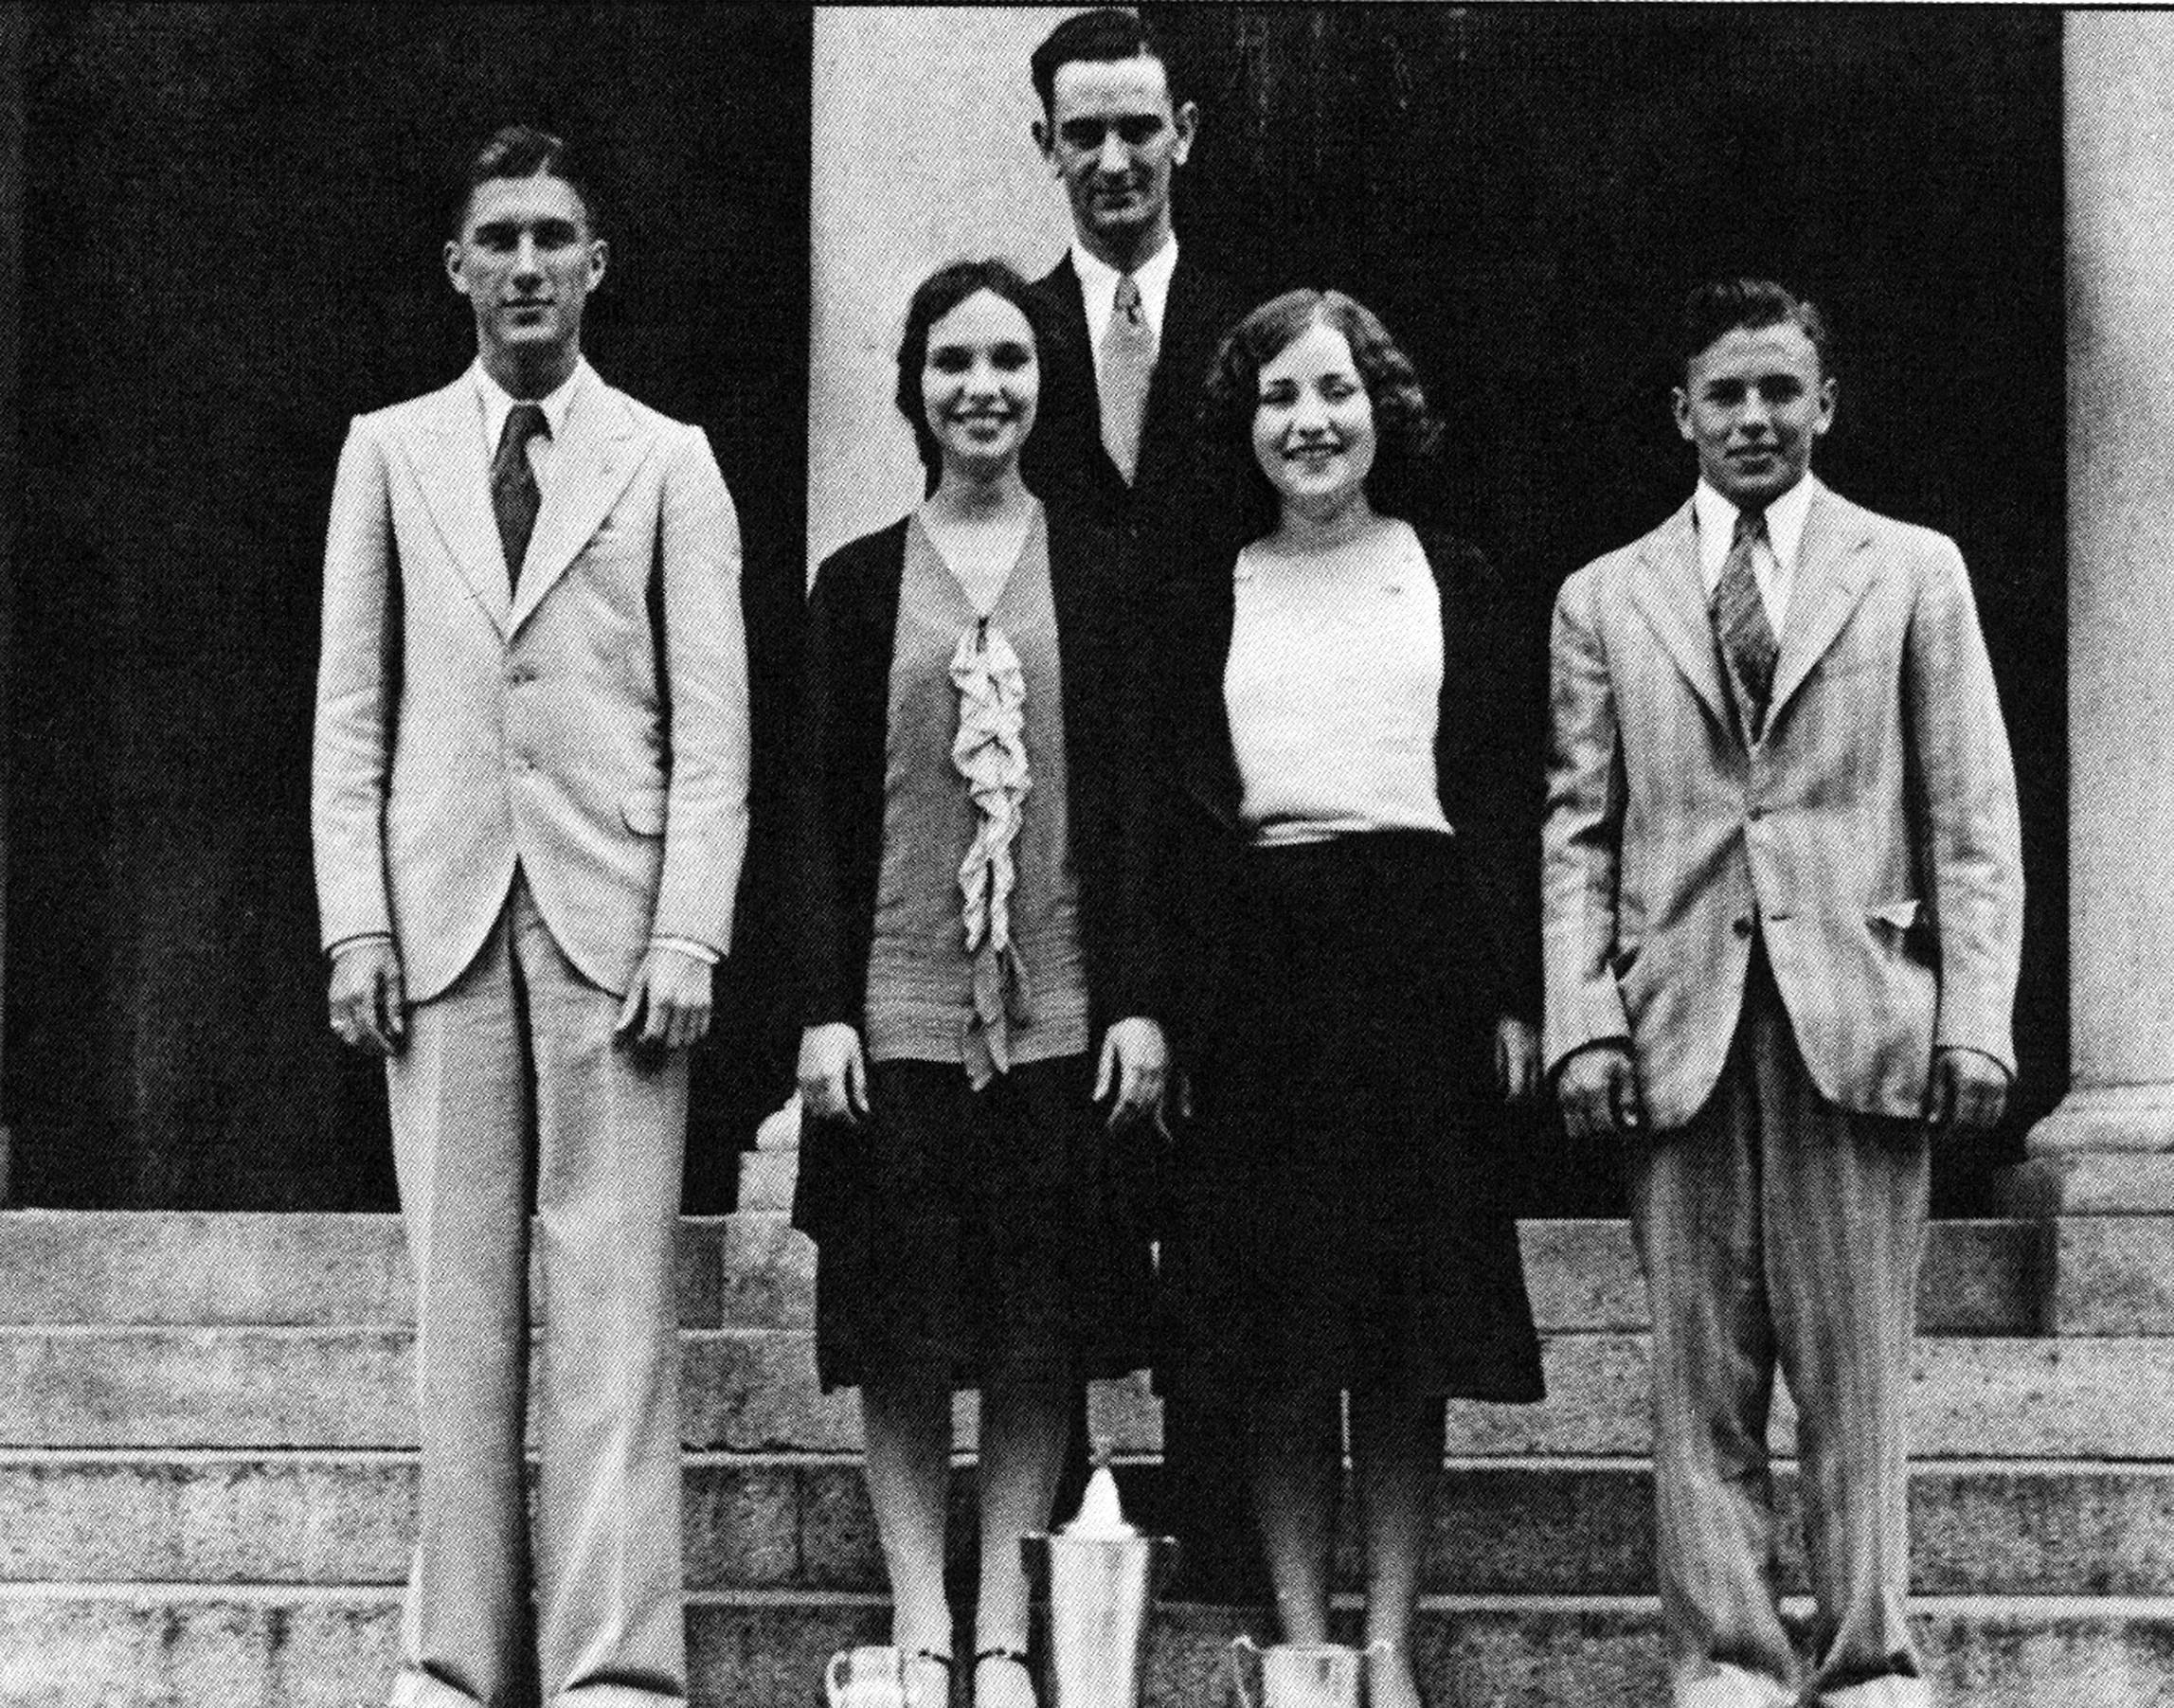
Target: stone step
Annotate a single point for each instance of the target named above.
(755, 1391)
(234, 1268)
(2100, 1275)
(1980, 1278)
(1525, 1526)
(167, 1647)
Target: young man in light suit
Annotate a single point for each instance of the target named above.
(1783, 900)
(530, 804)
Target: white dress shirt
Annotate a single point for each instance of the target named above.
(1098, 294)
(1773, 559)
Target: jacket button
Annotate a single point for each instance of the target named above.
(1741, 927)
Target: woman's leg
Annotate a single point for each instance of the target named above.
(907, 1422)
(1396, 1454)
(1024, 1428)
(1295, 1461)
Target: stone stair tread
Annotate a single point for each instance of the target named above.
(803, 1522)
(755, 1389)
(90, 1647)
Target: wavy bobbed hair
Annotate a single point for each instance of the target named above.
(1406, 431)
(936, 297)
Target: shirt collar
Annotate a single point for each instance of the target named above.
(1098, 287)
(497, 404)
(1786, 518)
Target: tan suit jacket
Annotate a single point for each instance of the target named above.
(593, 728)
(1869, 837)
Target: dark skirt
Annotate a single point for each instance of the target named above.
(1339, 1213)
(999, 1234)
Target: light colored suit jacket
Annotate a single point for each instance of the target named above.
(1870, 837)
(593, 728)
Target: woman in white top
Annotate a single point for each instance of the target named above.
(1356, 797)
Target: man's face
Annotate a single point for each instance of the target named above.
(1753, 401)
(525, 261)
(1113, 138)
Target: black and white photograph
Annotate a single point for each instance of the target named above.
(1189, 856)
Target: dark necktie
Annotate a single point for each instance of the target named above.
(1740, 621)
(514, 499)
(1128, 365)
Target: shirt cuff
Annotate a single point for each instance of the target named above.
(334, 951)
(687, 945)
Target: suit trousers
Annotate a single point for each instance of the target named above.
(512, 1078)
(1777, 1228)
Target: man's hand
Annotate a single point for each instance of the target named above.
(1516, 1060)
(832, 1073)
(1598, 1089)
(369, 1002)
(1136, 1063)
(667, 1006)
(1967, 1093)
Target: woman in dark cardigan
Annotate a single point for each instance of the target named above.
(969, 824)
(1355, 788)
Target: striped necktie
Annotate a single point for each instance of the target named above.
(1746, 639)
(514, 499)
(1126, 367)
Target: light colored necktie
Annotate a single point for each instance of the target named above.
(1740, 623)
(514, 499)
(1128, 365)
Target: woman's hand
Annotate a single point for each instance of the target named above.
(832, 1073)
(1516, 1060)
(1136, 1063)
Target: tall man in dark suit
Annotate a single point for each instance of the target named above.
(1783, 907)
(1134, 325)
(529, 808)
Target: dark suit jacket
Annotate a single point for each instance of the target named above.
(837, 786)
(1063, 460)
(1486, 756)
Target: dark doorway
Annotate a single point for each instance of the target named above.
(232, 229)
(1526, 194)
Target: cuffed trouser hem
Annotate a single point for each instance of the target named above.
(1721, 1685)
(617, 1696)
(1877, 1692)
(411, 1689)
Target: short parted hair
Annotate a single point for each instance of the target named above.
(1717, 308)
(521, 151)
(1406, 431)
(936, 297)
(1106, 33)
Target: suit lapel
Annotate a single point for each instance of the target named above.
(1670, 596)
(589, 473)
(1833, 574)
(446, 457)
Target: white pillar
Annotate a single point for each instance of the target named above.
(922, 153)
(2109, 1147)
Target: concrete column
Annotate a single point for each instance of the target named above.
(2109, 1147)
(922, 153)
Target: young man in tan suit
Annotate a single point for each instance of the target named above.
(1783, 901)
(531, 805)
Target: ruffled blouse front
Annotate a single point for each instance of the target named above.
(977, 885)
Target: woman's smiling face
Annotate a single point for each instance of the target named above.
(1313, 423)
(979, 383)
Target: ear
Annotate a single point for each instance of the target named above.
(599, 252)
(1679, 400)
(453, 267)
(1046, 141)
(1829, 390)
(1186, 121)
